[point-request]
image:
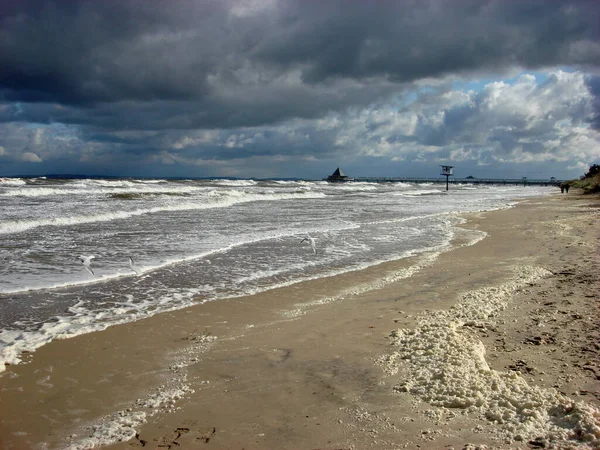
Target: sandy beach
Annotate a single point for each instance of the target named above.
(489, 345)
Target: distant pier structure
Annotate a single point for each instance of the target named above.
(339, 177)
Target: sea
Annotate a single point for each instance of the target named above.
(195, 241)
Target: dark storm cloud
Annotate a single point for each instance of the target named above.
(84, 51)
(253, 107)
(408, 40)
(222, 86)
(205, 64)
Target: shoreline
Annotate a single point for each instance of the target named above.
(242, 374)
(26, 343)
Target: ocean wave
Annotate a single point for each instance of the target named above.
(144, 269)
(403, 185)
(358, 186)
(111, 183)
(293, 182)
(213, 199)
(12, 182)
(234, 182)
(87, 191)
(72, 283)
(150, 181)
(422, 192)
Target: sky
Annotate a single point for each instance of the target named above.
(297, 88)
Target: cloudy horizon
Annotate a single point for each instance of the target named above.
(296, 88)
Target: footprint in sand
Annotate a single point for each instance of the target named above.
(278, 355)
(206, 434)
(174, 438)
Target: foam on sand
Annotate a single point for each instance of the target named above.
(123, 425)
(445, 365)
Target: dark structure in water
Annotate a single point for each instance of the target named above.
(338, 176)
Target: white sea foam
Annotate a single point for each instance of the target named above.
(14, 343)
(443, 363)
(422, 192)
(123, 425)
(148, 181)
(120, 427)
(403, 186)
(111, 183)
(235, 182)
(293, 182)
(12, 182)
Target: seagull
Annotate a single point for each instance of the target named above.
(312, 242)
(135, 268)
(86, 261)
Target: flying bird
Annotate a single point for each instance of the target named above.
(312, 242)
(86, 261)
(135, 268)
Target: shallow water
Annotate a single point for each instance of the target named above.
(199, 240)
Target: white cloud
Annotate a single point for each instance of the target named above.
(461, 154)
(195, 138)
(246, 8)
(30, 157)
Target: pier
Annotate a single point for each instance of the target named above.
(339, 177)
(498, 181)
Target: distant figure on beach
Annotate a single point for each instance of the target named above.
(564, 187)
(567, 188)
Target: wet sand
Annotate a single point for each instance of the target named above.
(511, 360)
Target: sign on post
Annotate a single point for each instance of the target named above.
(447, 171)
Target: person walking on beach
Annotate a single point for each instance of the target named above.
(562, 188)
(567, 188)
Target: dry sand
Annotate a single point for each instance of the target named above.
(492, 345)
